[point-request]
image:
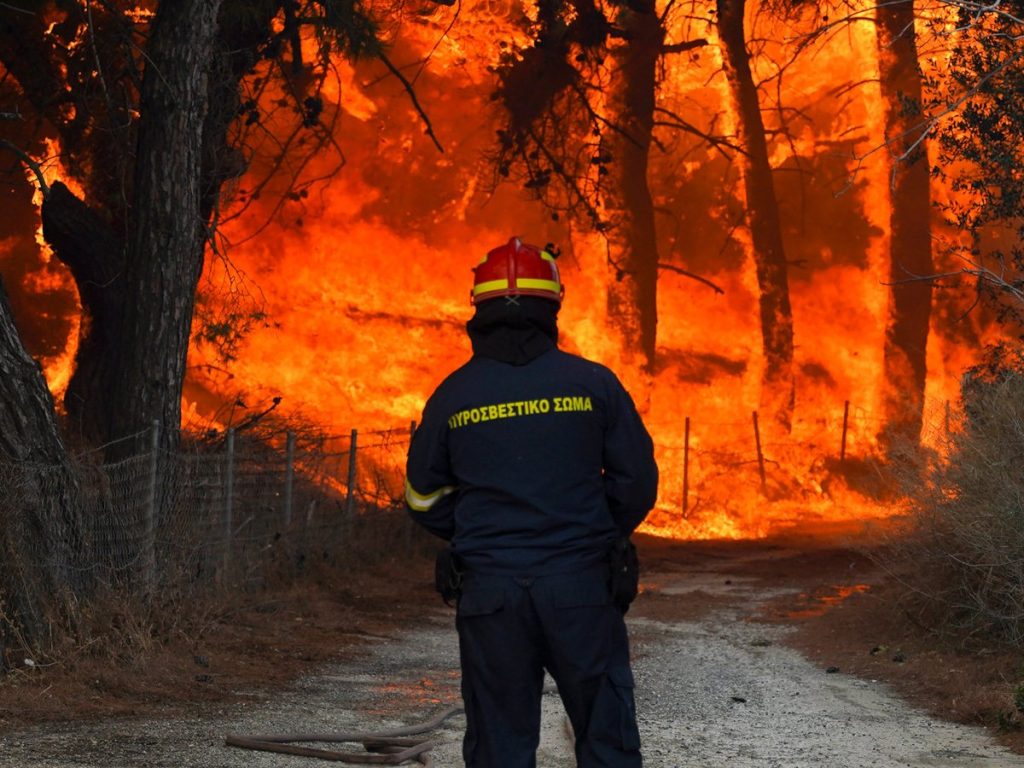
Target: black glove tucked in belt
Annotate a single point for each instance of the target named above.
(448, 576)
(624, 566)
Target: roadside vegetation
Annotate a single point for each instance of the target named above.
(963, 547)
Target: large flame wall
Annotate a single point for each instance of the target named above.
(365, 281)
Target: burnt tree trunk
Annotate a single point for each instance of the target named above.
(167, 233)
(87, 243)
(626, 198)
(906, 333)
(777, 387)
(84, 240)
(28, 426)
(95, 255)
(40, 533)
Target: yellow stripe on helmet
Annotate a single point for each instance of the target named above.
(490, 285)
(534, 284)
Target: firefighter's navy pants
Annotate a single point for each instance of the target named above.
(513, 628)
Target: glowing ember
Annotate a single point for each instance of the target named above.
(820, 604)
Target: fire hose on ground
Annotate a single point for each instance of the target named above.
(391, 747)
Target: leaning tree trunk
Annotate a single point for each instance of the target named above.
(167, 233)
(40, 532)
(90, 247)
(906, 333)
(137, 288)
(777, 388)
(85, 241)
(94, 253)
(628, 208)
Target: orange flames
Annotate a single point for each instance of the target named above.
(365, 281)
(53, 277)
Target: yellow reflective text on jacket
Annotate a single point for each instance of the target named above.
(518, 408)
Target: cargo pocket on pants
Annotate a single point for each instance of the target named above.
(480, 602)
(621, 679)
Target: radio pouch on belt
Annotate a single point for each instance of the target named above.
(448, 576)
(625, 573)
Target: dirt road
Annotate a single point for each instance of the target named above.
(715, 689)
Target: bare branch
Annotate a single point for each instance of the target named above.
(982, 274)
(32, 165)
(594, 115)
(691, 275)
(689, 45)
(678, 122)
(455, 17)
(412, 96)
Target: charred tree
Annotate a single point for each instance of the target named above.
(94, 253)
(40, 534)
(166, 234)
(777, 386)
(625, 193)
(580, 104)
(910, 248)
(88, 239)
(147, 114)
(70, 84)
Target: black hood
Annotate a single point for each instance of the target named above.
(514, 329)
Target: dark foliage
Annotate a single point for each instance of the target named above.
(982, 153)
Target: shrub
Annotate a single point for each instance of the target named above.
(963, 549)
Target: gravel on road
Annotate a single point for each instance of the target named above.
(715, 692)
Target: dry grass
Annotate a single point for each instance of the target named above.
(133, 661)
(124, 627)
(960, 553)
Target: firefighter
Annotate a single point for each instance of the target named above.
(535, 465)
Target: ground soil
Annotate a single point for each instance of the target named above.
(839, 610)
(851, 616)
(218, 646)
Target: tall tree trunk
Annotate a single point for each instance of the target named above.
(906, 333)
(95, 252)
(40, 533)
(777, 388)
(167, 233)
(628, 208)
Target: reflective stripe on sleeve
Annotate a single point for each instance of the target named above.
(422, 502)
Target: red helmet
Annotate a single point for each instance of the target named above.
(516, 269)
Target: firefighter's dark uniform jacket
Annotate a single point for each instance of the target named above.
(531, 469)
(532, 461)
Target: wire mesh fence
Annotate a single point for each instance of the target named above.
(232, 510)
(706, 456)
(228, 511)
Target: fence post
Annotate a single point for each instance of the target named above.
(686, 467)
(760, 455)
(350, 499)
(229, 494)
(289, 478)
(149, 526)
(846, 422)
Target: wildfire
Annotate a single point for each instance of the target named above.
(365, 281)
(51, 278)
